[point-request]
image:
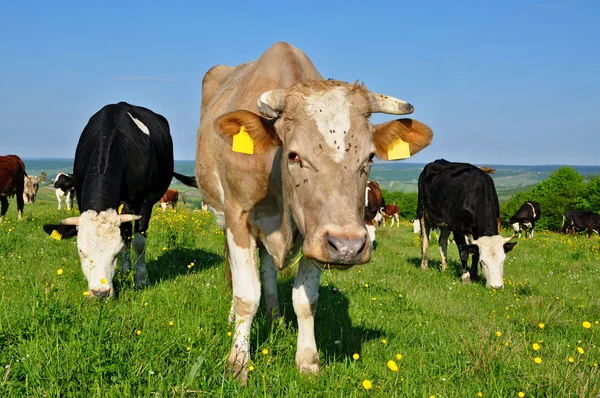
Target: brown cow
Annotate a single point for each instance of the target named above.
(373, 204)
(30, 189)
(170, 198)
(12, 181)
(296, 173)
(393, 212)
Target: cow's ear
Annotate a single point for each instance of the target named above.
(60, 231)
(473, 249)
(413, 132)
(508, 246)
(260, 129)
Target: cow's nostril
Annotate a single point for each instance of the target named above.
(331, 240)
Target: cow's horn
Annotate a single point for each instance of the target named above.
(509, 238)
(128, 217)
(70, 221)
(383, 104)
(271, 103)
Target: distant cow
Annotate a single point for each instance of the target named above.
(31, 187)
(171, 197)
(525, 218)
(416, 225)
(581, 220)
(64, 184)
(12, 182)
(391, 211)
(124, 157)
(461, 198)
(373, 204)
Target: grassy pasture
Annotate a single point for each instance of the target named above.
(171, 339)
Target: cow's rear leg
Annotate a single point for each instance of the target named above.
(59, 194)
(126, 231)
(69, 200)
(4, 201)
(246, 293)
(268, 276)
(424, 242)
(305, 296)
(443, 241)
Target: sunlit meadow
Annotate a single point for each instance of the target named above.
(383, 329)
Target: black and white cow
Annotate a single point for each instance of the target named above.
(124, 160)
(525, 218)
(581, 220)
(64, 184)
(461, 198)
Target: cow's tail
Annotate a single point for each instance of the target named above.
(189, 181)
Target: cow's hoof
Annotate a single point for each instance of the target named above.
(307, 361)
(237, 365)
(466, 278)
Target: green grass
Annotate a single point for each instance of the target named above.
(56, 342)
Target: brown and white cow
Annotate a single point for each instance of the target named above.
(373, 204)
(171, 197)
(31, 187)
(393, 212)
(312, 147)
(12, 181)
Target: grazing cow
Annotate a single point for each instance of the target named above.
(461, 198)
(391, 211)
(525, 218)
(123, 161)
(64, 184)
(296, 173)
(12, 182)
(31, 187)
(581, 220)
(373, 203)
(171, 197)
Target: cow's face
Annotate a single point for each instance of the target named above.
(328, 146)
(492, 253)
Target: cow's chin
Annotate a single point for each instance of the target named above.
(323, 261)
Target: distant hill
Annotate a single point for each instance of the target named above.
(393, 176)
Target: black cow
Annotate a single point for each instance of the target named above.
(124, 161)
(64, 184)
(461, 198)
(581, 220)
(525, 218)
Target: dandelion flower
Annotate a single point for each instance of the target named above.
(366, 285)
(537, 360)
(138, 332)
(586, 325)
(580, 350)
(171, 323)
(480, 394)
(571, 359)
(355, 357)
(498, 333)
(374, 298)
(103, 281)
(250, 368)
(535, 346)
(86, 293)
(59, 271)
(265, 351)
(228, 333)
(188, 348)
(367, 385)
(398, 356)
(521, 394)
(383, 341)
(541, 325)
(392, 365)
(595, 364)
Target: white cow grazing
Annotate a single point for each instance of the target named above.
(64, 185)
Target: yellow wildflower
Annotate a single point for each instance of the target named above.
(103, 281)
(535, 346)
(571, 359)
(228, 333)
(541, 325)
(480, 394)
(498, 333)
(580, 350)
(188, 348)
(138, 332)
(367, 384)
(392, 365)
(86, 293)
(398, 356)
(521, 394)
(384, 341)
(586, 325)
(59, 271)
(366, 285)
(265, 351)
(355, 357)
(171, 323)
(537, 360)
(250, 368)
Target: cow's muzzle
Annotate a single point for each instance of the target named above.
(102, 292)
(346, 249)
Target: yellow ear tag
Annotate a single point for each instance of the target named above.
(242, 142)
(56, 235)
(399, 150)
(120, 209)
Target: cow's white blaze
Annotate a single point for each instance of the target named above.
(141, 125)
(516, 227)
(99, 243)
(331, 112)
(492, 256)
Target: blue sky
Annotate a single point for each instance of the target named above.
(499, 82)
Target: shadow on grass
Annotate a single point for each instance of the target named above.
(176, 261)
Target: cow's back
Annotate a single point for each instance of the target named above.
(226, 89)
(459, 195)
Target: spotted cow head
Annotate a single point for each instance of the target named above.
(492, 253)
(328, 145)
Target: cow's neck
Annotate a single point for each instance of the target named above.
(101, 192)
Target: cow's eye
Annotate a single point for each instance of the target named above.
(294, 158)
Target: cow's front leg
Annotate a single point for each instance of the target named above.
(268, 276)
(246, 297)
(305, 297)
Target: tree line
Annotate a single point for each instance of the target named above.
(564, 189)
